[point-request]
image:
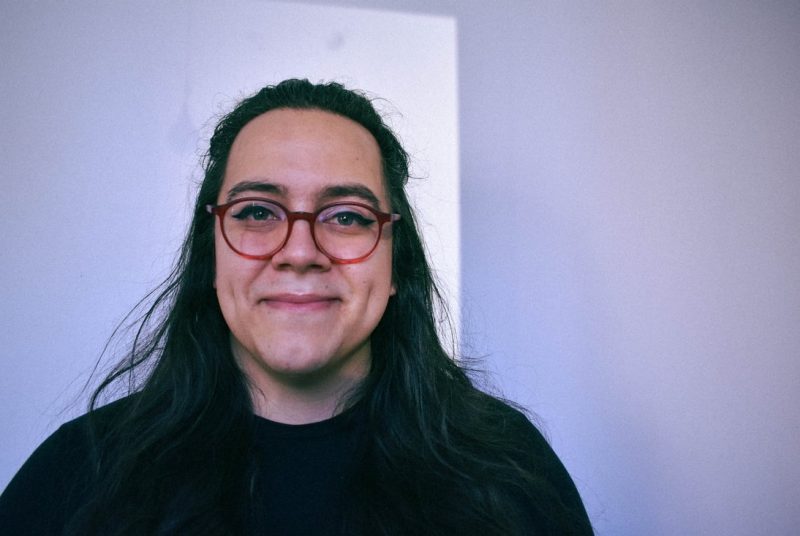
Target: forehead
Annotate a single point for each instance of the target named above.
(305, 152)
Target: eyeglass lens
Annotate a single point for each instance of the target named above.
(260, 228)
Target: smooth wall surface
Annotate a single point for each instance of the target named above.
(106, 109)
(630, 250)
(630, 175)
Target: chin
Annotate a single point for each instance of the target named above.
(308, 374)
(297, 362)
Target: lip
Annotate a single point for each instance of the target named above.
(299, 302)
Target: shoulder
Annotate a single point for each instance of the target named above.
(524, 433)
(70, 444)
(529, 450)
(73, 441)
(55, 477)
(508, 422)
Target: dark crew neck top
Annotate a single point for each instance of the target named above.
(299, 488)
(302, 474)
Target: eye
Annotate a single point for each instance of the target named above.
(351, 218)
(255, 211)
(347, 216)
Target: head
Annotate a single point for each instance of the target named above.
(411, 283)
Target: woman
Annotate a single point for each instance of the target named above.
(293, 378)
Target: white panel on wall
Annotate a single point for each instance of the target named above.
(106, 110)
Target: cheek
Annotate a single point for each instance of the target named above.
(381, 284)
(219, 247)
(224, 272)
(232, 274)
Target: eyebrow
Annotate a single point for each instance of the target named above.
(330, 193)
(255, 186)
(351, 190)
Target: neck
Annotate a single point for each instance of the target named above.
(291, 405)
(303, 398)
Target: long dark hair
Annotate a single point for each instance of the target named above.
(438, 458)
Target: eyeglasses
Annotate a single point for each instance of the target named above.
(258, 228)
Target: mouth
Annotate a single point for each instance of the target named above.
(300, 302)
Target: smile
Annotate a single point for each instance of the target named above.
(299, 302)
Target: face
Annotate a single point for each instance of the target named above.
(298, 318)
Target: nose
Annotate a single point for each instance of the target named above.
(300, 252)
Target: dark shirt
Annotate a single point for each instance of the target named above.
(300, 485)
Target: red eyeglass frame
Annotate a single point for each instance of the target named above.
(311, 217)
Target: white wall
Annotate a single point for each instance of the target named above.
(106, 109)
(630, 250)
(631, 246)
(639, 285)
